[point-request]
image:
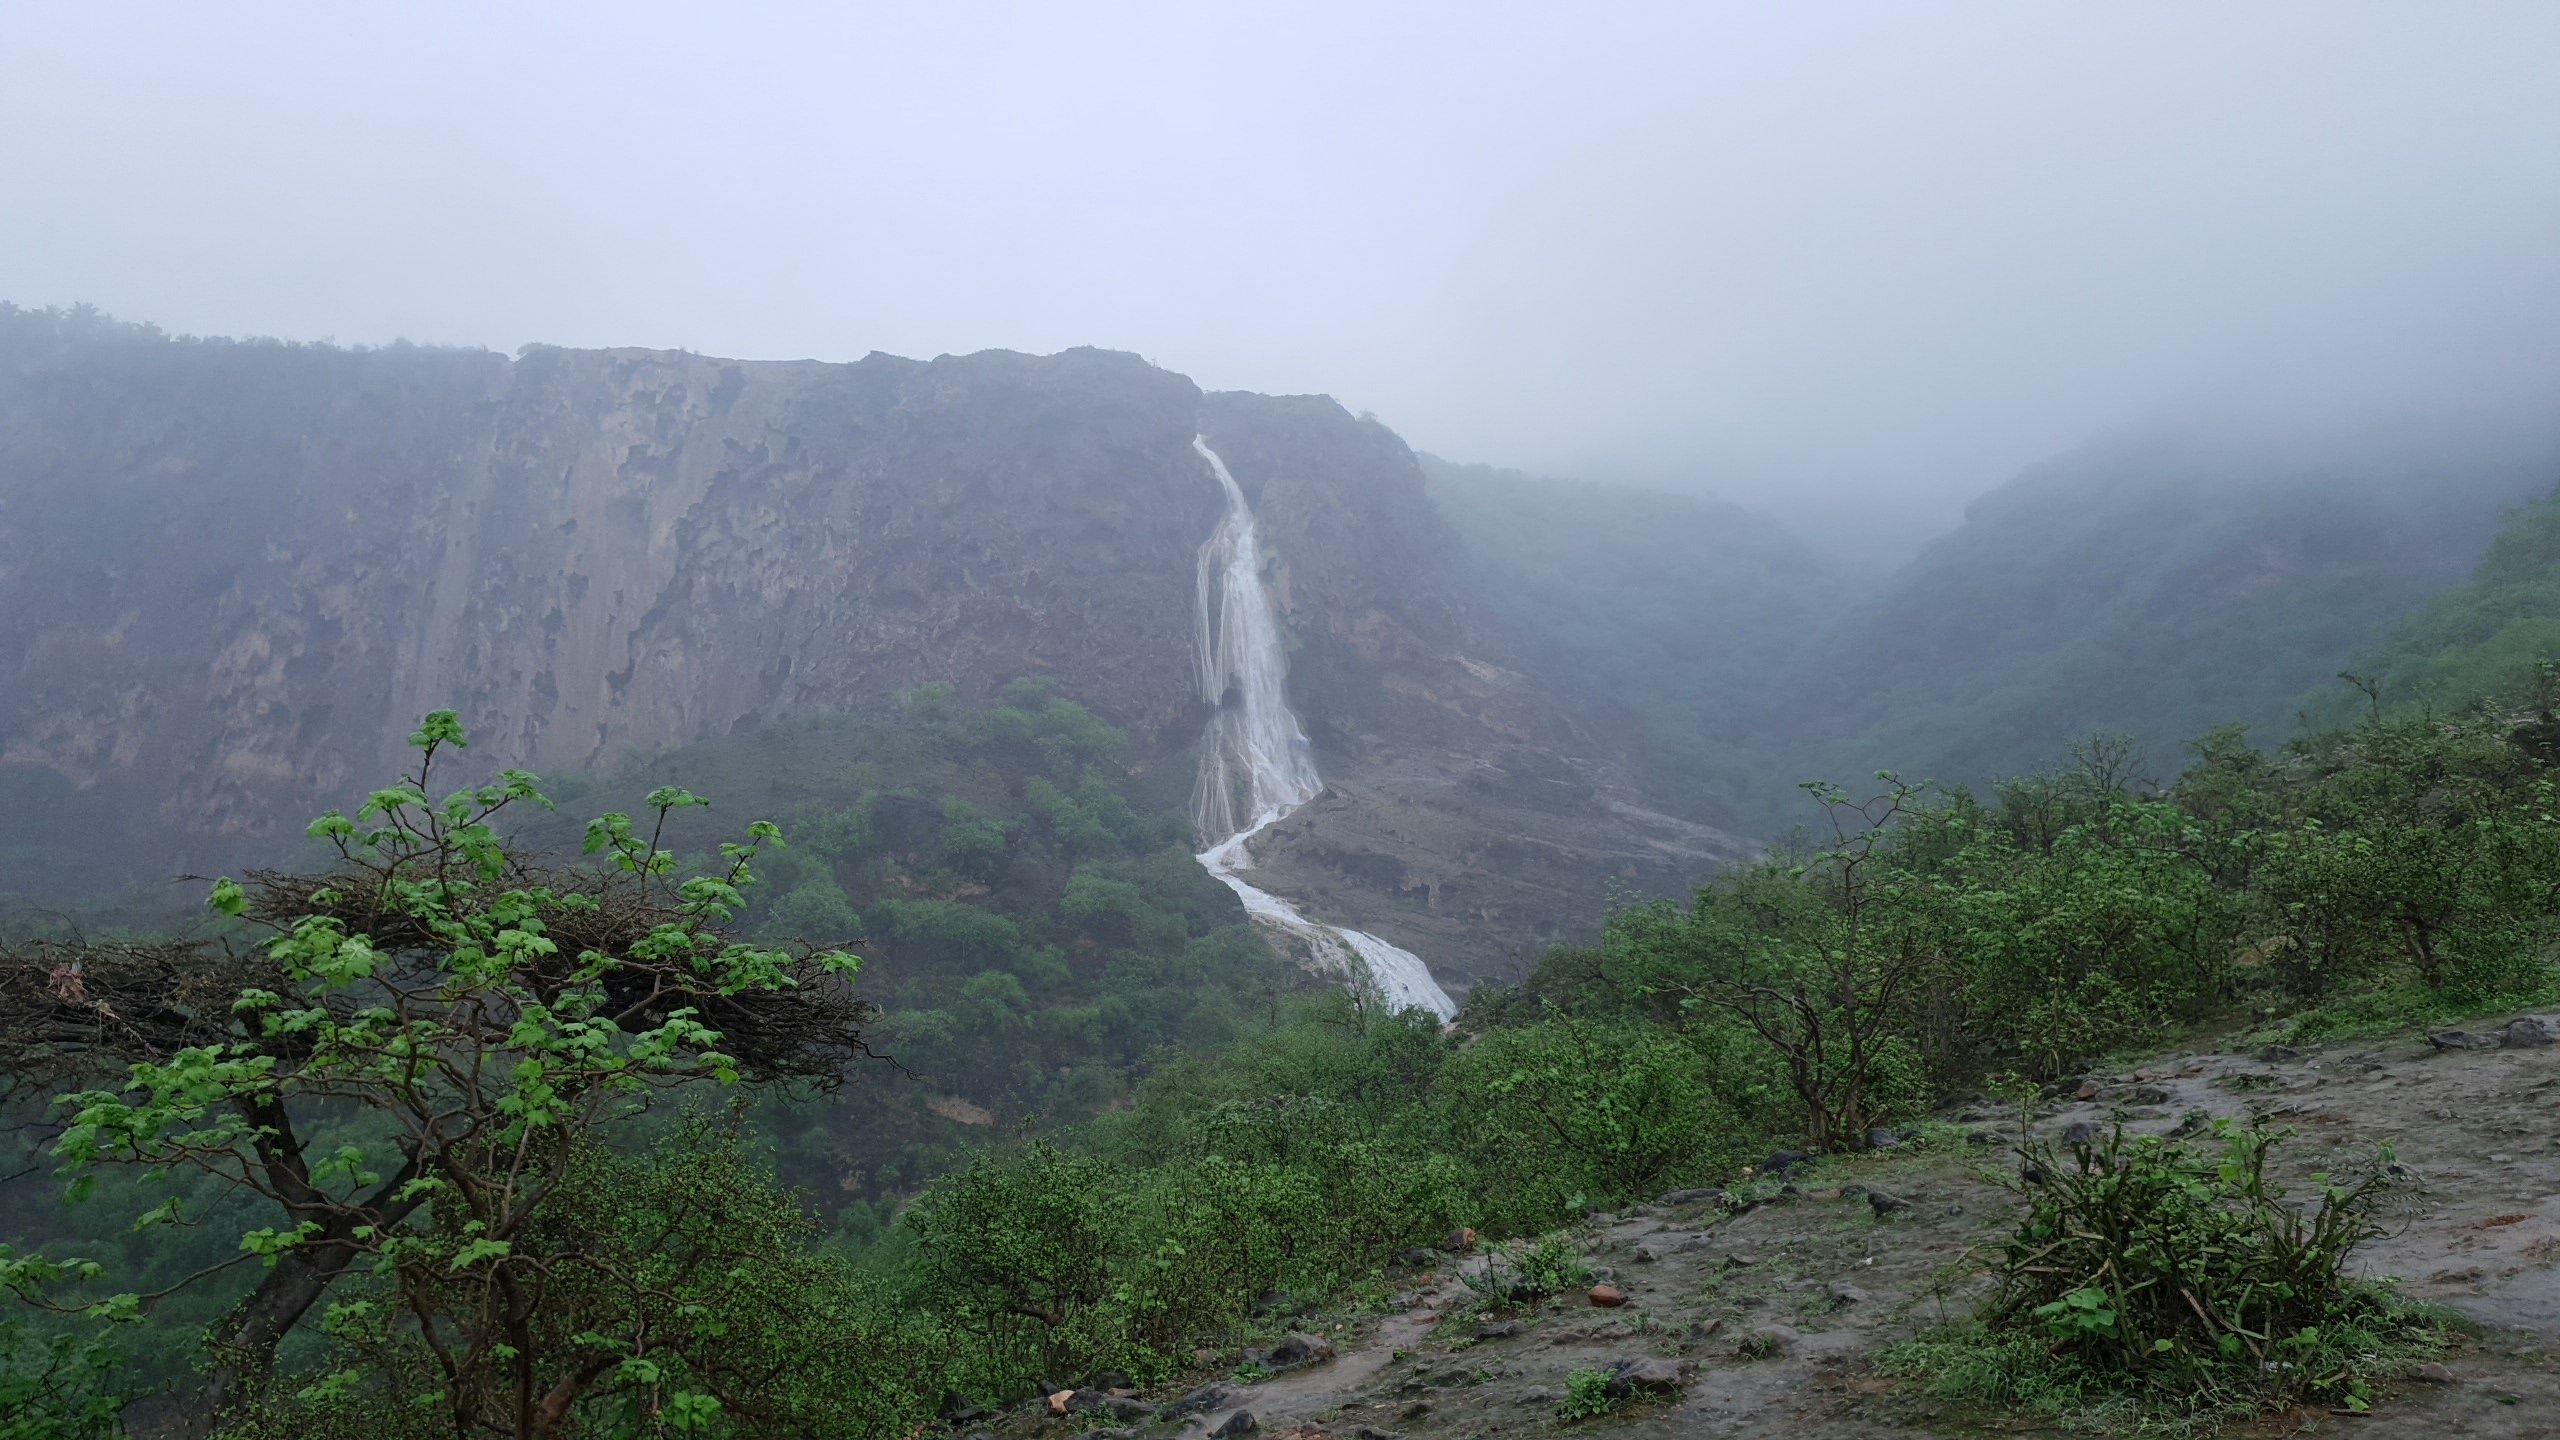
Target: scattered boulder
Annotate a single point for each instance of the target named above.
(1299, 1349)
(1769, 1340)
(1240, 1423)
(1882, 1139)
(2150, 1095)
(1644, 1255)
(2533, 1032)
(1740, 1260)
(2088, 1090)
(1690, 1197)
(2432, 1373)
(1784, 1163)
(1884, 1204)
(2277, 1054)
(1198, 1402)
(2080, 1135)
(1608, 1297)
(1497, 1329)
(2460, 1040)
(1645, 1375)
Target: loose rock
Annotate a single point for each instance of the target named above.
(2432, 1373)
(1299, 1349)
(1240, 1423)
(1497, 1329)
(1645, 1375)
(2460, 1040)
(1198, 1402)
(2530, 1033)
(1783, 1163)
(1608, 1297)
(1884, 1204)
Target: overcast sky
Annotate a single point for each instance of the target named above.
(1890, 252)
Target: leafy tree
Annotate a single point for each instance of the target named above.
(1821, 961)
(407, 1071)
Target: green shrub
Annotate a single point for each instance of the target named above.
(1586, 1396)
(2178, 1280)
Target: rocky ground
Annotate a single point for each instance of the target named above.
(1769, 1322)
(1480, 862)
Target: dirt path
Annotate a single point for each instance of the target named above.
(1780, 1310)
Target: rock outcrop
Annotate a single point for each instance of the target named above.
(234, 573)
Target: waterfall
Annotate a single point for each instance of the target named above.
(1255, 763)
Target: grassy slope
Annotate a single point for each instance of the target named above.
(2146, 585)
(2484, 636)
(2142, 587)
(1672, 608)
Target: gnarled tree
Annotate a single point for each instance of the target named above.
(460, 1024)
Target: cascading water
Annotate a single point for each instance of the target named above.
(1255, 763)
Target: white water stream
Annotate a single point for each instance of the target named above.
(1255, 763)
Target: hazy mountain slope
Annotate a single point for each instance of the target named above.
(233, 574)
(2149, 585)
(1673, 610)
(2483, 636)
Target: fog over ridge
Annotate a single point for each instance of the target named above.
(1840, 260)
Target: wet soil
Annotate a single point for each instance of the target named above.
(1782, 1310)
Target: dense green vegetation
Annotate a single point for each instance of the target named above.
(1931, 945)
(1033, 925)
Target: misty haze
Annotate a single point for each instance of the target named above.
(1132, 722)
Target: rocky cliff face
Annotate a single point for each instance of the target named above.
(233, 574)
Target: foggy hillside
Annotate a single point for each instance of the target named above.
(993, 721)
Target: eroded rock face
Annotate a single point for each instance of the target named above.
(234, 574)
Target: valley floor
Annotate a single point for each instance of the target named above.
(1776, 1316)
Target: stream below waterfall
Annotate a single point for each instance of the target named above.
(1255, 763)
